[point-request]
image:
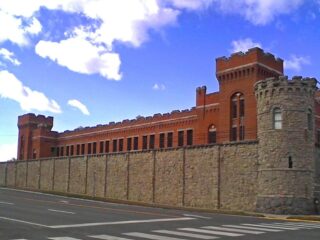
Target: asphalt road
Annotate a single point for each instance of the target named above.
(35, 216)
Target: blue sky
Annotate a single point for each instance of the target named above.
(90, 62)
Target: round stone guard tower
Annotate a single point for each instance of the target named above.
(286, 145)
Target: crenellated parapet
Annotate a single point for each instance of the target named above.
(277, 85)
(33, 121)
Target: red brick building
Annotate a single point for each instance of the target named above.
(218, 117)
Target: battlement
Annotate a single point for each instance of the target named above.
(252, 56)
(296, 84)
(31, 119)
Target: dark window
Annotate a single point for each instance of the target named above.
(180, 138)
(129, 144)
(82, 149)
(101, 150)
(34, 154)
(169, 139)
(189, 137)
(53, 151)
(212, 134)
(114, 145)
(71, 150)
(107, 146)
(68, 151)
(234, 134)
(78, 149)
(89, 148)
(121, 145)
(144, 142)
(135, 143)
(58, 151)
(290, 162)
(318, 136)
(151, 142)
(234, 108)
(310, 125)
(161, 140)
(94, 148)
(61, 151)
(241, 133)
(241, 107)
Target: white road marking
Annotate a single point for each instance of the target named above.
(233, 230)
(21, 221)
(306, 225)
(196, 216)
(120, 222)
(64, 201)
(60, 211)
(150, 236)
(108, 237)
(194, 235)
(64, 238)
(272, 227)
(7, 203)
(211, 232)
(254, 228)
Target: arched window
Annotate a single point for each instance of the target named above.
(277, 118)
(237, 112)
(309, 116)
(212, 134)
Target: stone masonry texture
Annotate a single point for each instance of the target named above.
(46, 174)
(61, 170)
(96, 176)
(33, 174)
(21, 174)
(2, 174)
(78, 168)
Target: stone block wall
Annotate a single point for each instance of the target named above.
(213, 177)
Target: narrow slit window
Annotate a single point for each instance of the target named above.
(277, 118)
(290, 162)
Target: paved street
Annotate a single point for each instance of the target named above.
(35, 216)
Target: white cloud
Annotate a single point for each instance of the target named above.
(81, 56)
(157, 87)
(191, 4)
(295, 63)
(9, 56)
(259, 12)
(8, 152)
(242, 45)
(12, 88)
(77, 104)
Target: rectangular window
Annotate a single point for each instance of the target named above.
(135, 143)
(151, 142)
(129, 144)
(71, 150)
(58, 152)
(53, 152)
(61, 151)
(234, 109)
(144, 142)
(78, 149)
(318, 136)
(234, 134)
(107, 146)
(189, 137)
(89, 148)
(169, 139)
(121, 145)
(180, 138)
(94, 148)
(67, 152)
(101, 150)
(241, 107)
(212, 138)
(161, 140)
(114, 145)
(241, 132)
(82, 149)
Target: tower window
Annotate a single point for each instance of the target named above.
(277, 118)
(241, 107)
(290, 162)
(234, 107)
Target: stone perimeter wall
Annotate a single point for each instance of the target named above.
(212, 177)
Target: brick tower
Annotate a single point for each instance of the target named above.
(237, 76)
(286, 145)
